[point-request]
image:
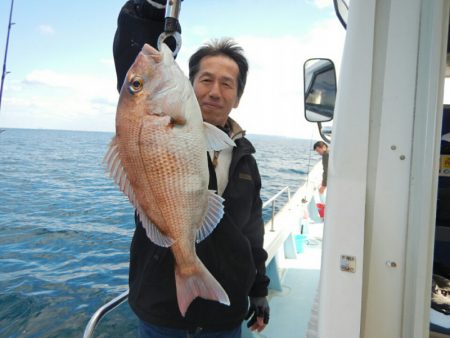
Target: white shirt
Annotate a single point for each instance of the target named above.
(222, 168)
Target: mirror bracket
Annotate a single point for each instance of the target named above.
(322, 135)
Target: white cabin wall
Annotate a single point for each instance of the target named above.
(393, 99)
(400, 228)
(340, 291)
(384, 140)
(425, 163)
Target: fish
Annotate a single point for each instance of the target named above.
(158, 159)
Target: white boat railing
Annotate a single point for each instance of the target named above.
(111, 305)
(101, 312)
(272, 201)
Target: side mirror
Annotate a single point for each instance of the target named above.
(320, 89)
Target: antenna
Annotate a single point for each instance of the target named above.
(4, 72)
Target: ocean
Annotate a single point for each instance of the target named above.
(65, 229)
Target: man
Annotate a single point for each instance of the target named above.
(234, 252)
(321, 148)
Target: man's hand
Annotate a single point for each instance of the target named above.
(259, 308)
(150, 9)
(159, 4)
(322, 189)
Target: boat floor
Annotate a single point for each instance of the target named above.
(290, 308)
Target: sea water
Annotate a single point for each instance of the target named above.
(65, 228)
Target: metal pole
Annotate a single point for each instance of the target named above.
(95, 319)
(273, 217)
(6, 52)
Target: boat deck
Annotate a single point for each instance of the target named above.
(294, 269)
(291, 307)
(299, 286)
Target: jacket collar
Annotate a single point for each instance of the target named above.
(234, 129)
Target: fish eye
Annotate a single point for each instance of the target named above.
(136, 85)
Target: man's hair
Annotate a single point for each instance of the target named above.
(320, 144)
(226, 47)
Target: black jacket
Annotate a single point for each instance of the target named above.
(233, 253)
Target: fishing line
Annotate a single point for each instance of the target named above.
(304, 200)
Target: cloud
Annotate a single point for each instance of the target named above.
(447, 91)
(322, 3)
(107, 62)
(272, 103)
(81, 83)
(49, 78)
(273, 100)
(200, 31)
(49, 99)
(46, 30)
(70, 112)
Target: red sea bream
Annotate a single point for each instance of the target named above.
(158, 159)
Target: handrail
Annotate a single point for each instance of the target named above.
(111, 305)
(274, 197)
(272, 200)
(102, 311)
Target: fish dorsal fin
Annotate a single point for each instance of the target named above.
(212, 217)
(152, 231)
(166, 53)
(216, 139)
(151, 52)
(117, 172)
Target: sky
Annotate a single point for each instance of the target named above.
(62, 72)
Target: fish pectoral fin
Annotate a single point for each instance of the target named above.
(216, 139)
(214, 214)
(114, 167)
(152, 231)
(201, 284)
(116, 170)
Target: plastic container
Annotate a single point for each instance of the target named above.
(300, 242)
(321, 209)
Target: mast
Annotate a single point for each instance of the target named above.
(6, 52)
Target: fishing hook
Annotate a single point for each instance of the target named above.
(171, 24)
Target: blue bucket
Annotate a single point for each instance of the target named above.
(300, 241)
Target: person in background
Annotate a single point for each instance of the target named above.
(234, 252)
(321, 148)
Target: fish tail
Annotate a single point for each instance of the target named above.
(201, 284)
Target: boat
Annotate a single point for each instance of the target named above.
(386, 230)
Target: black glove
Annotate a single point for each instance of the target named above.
(154, 9)
(259, 307)
(151, 9)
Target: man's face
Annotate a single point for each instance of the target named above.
(320, 150)
(215, 86)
